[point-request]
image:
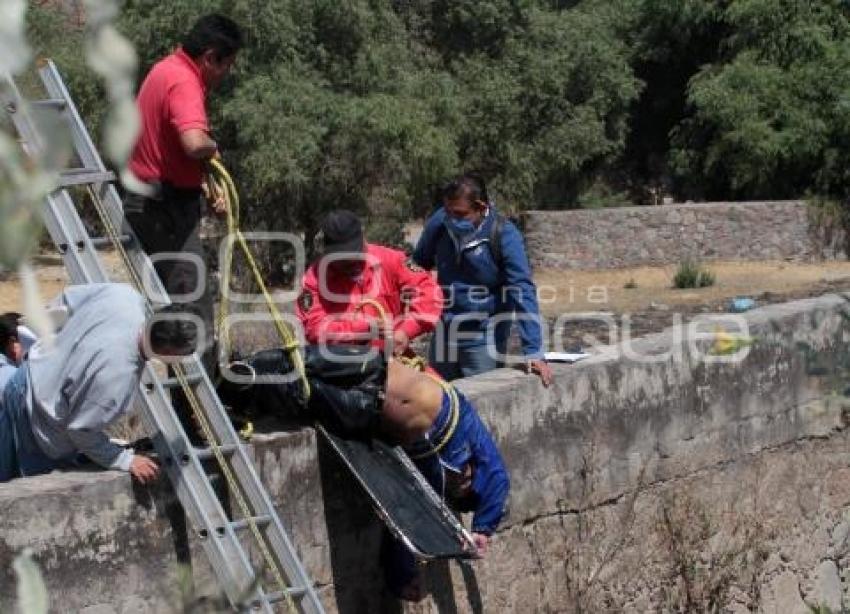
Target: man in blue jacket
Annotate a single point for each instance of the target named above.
(481, 264)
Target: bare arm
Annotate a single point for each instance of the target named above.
(197, 144)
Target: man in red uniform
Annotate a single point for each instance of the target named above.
(169, 156)
(341, 291)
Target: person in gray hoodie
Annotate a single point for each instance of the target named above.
(69, 390)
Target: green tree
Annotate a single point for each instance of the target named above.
(370, 104)
(769, 120)
(670, 41)
(357, 117)
(52, 34)
(545, 117)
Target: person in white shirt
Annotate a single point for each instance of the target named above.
(58, 404)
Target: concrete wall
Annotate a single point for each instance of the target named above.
(673, 484)
(636, 236)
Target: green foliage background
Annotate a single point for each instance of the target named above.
(370, 104)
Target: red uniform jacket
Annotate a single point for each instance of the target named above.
(334, 312)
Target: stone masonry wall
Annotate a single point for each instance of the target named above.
(637, 236)
(667, 483)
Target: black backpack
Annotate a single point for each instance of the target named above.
(495, 238)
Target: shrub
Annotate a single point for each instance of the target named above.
(690, 274)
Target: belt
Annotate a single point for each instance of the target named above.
(163, 190)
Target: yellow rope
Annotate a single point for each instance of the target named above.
(414, 362)
(382, 316)
(222, 182)
(454, 408)
(200, 416)
(419, 363)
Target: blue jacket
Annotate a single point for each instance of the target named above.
(471, 443)
(475, 283)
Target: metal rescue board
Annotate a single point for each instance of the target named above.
(402, 498)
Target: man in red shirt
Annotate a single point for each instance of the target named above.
(169, 156)
(340, 291)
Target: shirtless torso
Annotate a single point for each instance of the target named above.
(411, 404)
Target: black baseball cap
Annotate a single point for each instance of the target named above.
(342, 232)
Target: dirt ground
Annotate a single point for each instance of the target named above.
(606, 290)
(647, 295)
(52, 278)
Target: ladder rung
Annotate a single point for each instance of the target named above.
(208, 453)
(80, 176)
(97, 243)
(173, 382)
(260, 521)
(101, 242)
(295, 593)
(57, 103)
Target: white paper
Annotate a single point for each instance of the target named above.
(564, 356)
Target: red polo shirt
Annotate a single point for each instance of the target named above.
(171, 101)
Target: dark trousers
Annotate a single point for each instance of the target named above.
(171, 223)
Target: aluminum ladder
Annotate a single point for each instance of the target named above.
(232, 543)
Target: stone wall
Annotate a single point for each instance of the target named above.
(637, 236)
(665, 483)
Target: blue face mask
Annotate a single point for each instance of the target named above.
(462, 227)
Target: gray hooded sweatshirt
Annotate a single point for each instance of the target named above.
(86, 380)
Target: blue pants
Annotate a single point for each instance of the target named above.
(9, 411)
(471, 353)
(20, 455)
